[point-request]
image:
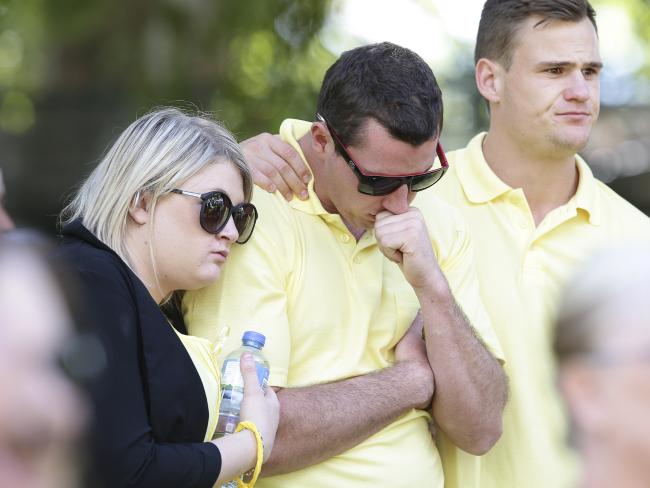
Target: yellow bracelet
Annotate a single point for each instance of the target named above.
(248, 425)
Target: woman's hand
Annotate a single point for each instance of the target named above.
(261, 408)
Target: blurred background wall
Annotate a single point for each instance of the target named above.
(74, 73)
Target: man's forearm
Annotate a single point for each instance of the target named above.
(321, 421)
(471, 387)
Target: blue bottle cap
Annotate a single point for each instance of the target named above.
(251, 335)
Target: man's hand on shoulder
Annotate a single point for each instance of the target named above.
(275, 165)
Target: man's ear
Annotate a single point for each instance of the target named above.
(320, 139)
(489, 79)
(140, 206)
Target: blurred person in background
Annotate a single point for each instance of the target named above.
(336, 281)
(532, 203)
(158, 215)
(602, 343)
(6, 222)
(41, 413)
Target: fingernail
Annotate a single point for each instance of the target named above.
(306, 178)
(288, 197)
(304, 194)
(271, 188)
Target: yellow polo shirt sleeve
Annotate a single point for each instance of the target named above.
(455, 254)
(260, 271)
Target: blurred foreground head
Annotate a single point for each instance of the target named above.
(5, 220)
(41, 413)
(603, 348)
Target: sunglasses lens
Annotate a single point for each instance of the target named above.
(244, 215)
(425, 181)
(379, 185)
(215, 212)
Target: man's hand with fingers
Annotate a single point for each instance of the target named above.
(404, 239)
(275, 165)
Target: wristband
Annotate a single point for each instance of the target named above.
(248, 425)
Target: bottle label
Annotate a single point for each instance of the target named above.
(262, 375)
(231, 375)
(232, 386)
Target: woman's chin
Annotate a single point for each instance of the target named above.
(209, 276)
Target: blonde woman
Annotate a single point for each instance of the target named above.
(158, 215)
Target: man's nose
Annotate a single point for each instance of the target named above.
(397, 202)
(578, 88)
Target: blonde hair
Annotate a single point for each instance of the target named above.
(610, 293)
(155, 154)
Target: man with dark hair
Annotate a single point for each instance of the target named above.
(346, 283)
(536, 208)
(399, 92)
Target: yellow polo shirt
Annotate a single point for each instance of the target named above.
(203, 354)
(333, 308)
(522, 269)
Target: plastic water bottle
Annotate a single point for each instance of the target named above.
(232, 386)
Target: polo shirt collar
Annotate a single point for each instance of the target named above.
(482, 185)
(587, 195)
(479, 182)
(291, 130)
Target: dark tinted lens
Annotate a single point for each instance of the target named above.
(425, 181)
(215, 212)
(379, 185)
(244, 215)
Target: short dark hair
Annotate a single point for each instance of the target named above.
(388, 83)
(501, 19)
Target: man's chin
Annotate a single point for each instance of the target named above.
(572, 143)
(579, 136)
(357, 225)
(367, 224)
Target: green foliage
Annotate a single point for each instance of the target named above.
(252, 61)
(74, 72)
(22, 64)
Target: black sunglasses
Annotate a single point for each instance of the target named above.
(378, 185)
(216, 209)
